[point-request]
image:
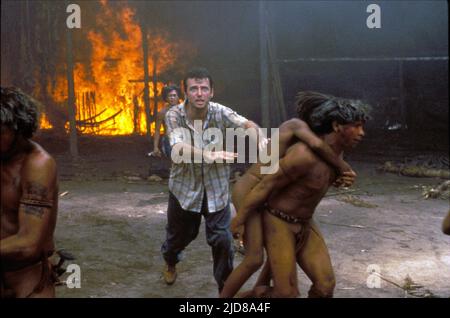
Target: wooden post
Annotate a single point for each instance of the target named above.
(135, 114)
(146, 79)
(82, 107)
(280, 108)
(263, 67)
(403, 112)
(71, 93)
(23, 67)
(155, 88)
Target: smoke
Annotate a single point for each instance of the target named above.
(225, 37)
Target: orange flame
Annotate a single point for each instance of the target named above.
(44, 122)
(109, 91)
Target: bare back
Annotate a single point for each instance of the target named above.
(253, 175)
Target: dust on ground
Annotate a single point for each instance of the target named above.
(113, 220)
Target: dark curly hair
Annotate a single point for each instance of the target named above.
(320, 110)
(197, 73)
(19, 111)
(167, 89)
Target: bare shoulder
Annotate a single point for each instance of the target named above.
(39, 165)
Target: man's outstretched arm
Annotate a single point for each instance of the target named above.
(181, 142)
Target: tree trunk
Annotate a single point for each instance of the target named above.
(264, 67)
(71, 94)
(146, 80)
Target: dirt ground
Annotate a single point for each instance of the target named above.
(113, 220)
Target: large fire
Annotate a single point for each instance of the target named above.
(109, 90)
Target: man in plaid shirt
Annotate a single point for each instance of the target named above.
(200, 187)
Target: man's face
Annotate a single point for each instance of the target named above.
(351, 134)
(199, 92)
(172, 98)
(7, 138)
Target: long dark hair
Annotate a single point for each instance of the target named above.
(320, 110)
(19, 111)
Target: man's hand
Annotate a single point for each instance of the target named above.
(346, 179)
(237, 227)
(343, 166)
(211, 156)
(263, 141)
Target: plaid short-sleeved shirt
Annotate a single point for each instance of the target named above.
(189, 181)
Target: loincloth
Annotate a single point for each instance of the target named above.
(302, 234)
